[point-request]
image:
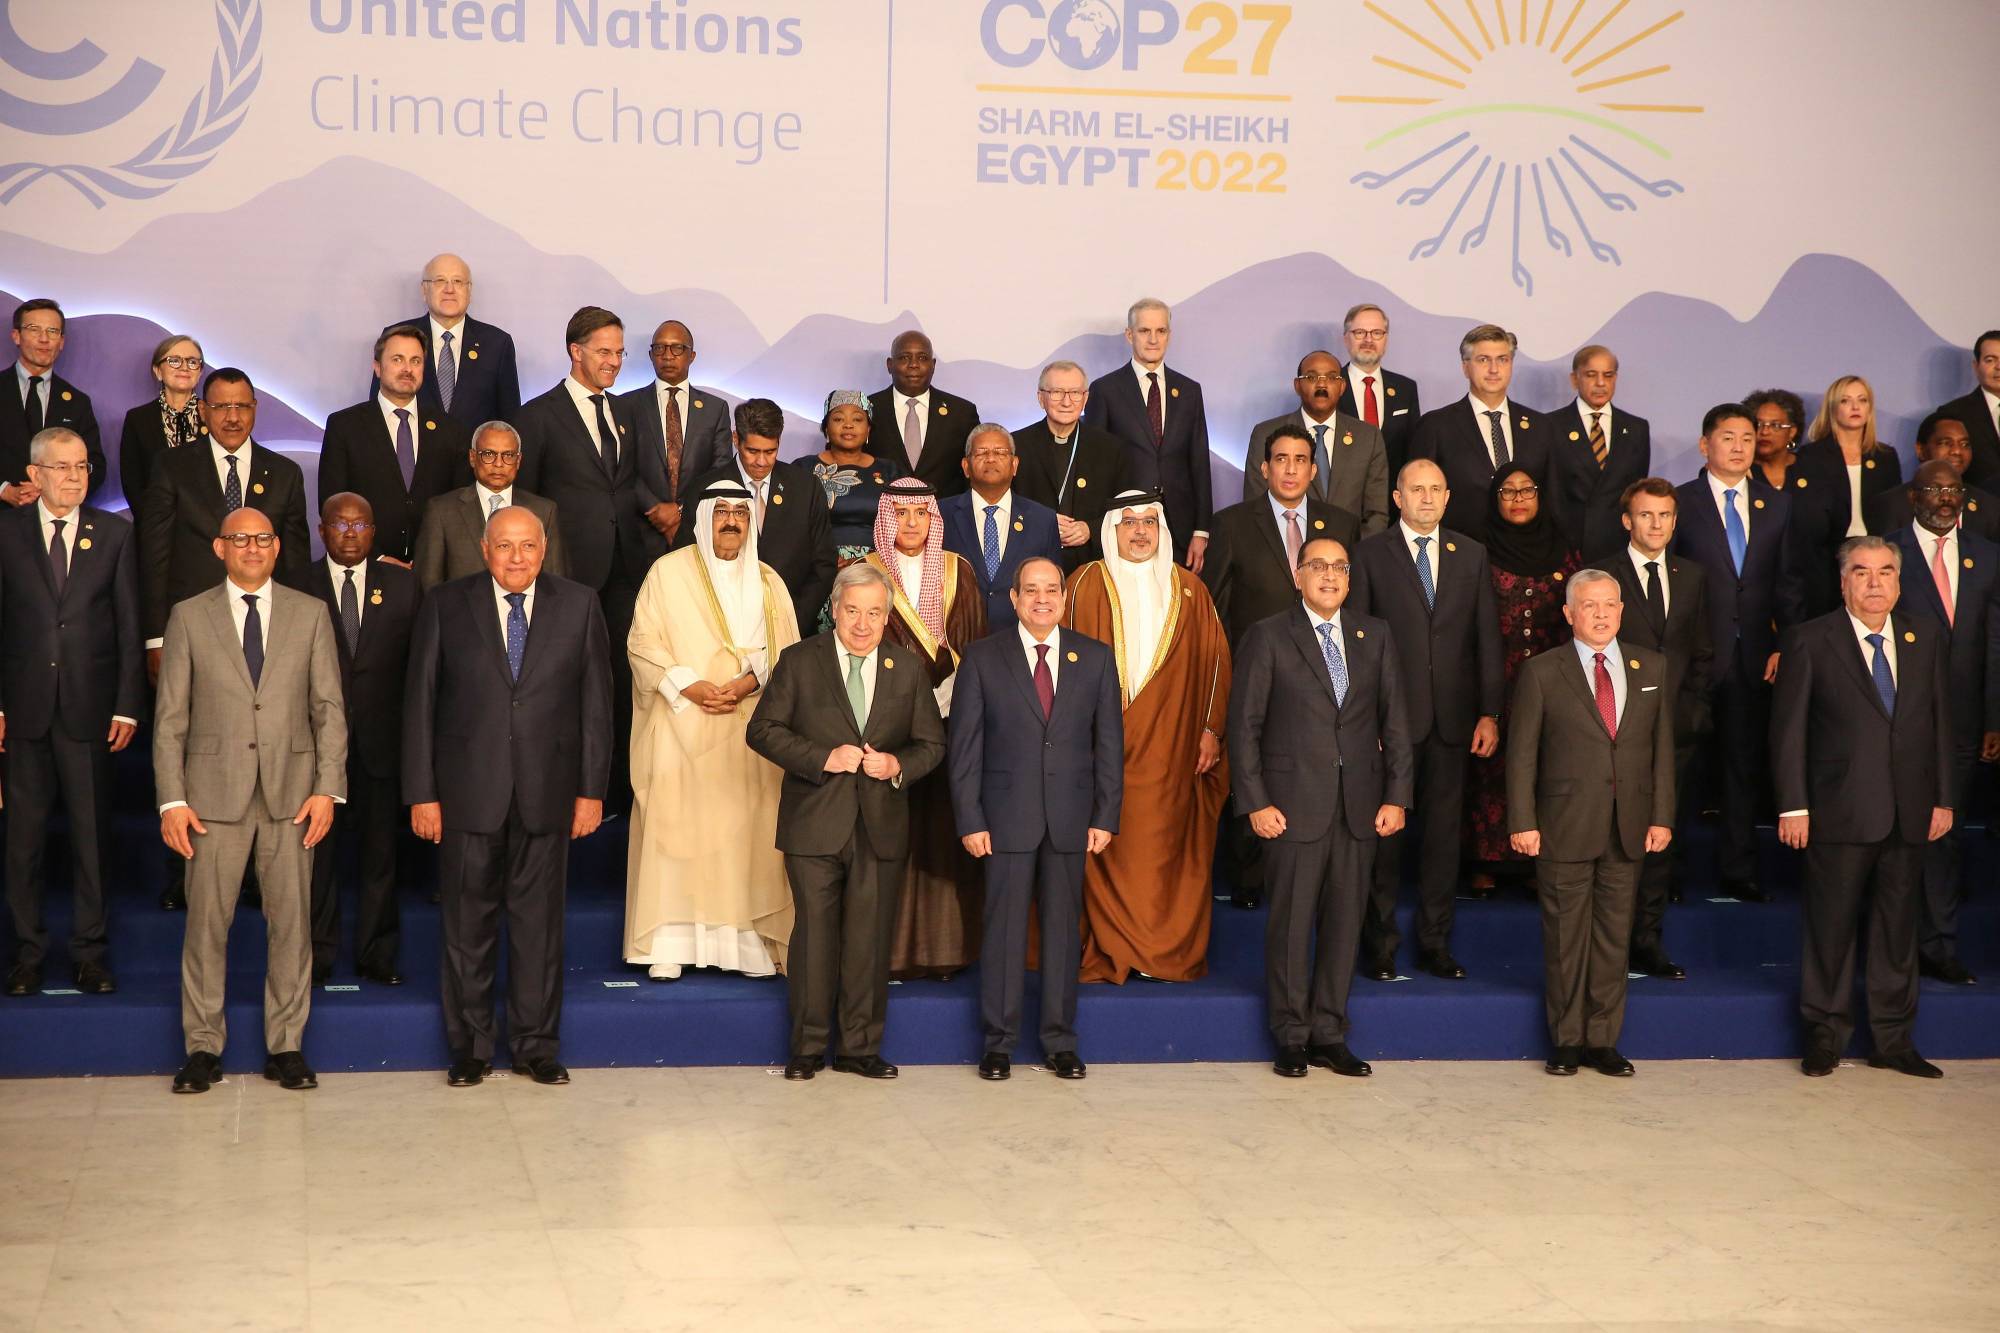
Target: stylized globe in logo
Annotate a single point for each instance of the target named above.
(1083, 33)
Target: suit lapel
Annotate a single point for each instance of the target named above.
(1307, 642)
(1266, 522)
(486, 620)
(1017, 667)
(1856, 656)
(222, 624)
(836, 679)
(1586, 690)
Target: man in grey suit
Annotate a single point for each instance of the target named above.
(854, 725)
(1590, 791)
(249, 743)
(682, 430)
(1353, 464)
(455, 523)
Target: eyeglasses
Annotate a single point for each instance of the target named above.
(66, 469)
(1317, 566)
(1368, 335)
(350, 526)
(496, 455)
(1333, 378)
(181, 362)
(1763, 426)
(1519, 492)
(1930, 492)
(219, 408)
(242, 540)
(670, 349)
(1063, 395)
(41, 331)
(449, 284)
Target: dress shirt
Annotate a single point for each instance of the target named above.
(457, 353)
(902, 402)
(760, 491)
(1744, 506)
(389, 410)
(1583, 410)
(1004, 518)
(1067, 444)
(1028, 645)
(1855, 527)
(242, 456)
(683, 399)
(1355, 374)
(1506, 411)
(1639, 559)
(500, 602)
(338, 572)
(1278, 512)
(1992, 406)
(910, 574)
(869, 664)
(1861, 633)
(579, 394)
(1614, 663)
(69, 559)
(21, 378)
(506, 495)
(1432, 551)
(1927, 552)
(1141, 372)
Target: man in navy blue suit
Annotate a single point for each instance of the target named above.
(1159, 415)
(1037, 778)
(994, 527)
(469, 371)
(1474, 437)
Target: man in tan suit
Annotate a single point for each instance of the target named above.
(454, 524)
(1590, 790)
(249, 744)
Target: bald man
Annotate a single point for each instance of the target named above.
(469, 372)
(682, 429)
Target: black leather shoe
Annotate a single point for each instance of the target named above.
(1658, 965)
(173, 900)
(1064, 1064)
(546, 1069)
(468, 1072)
(95, 979)
(1339, 1059)
(1563, 1061)
(1909, 1062)
(25, 979)
(1606, 1060)
(381, 976)
(1819, 1063)
(868, 1066)
(993, 1066)
(1379, 969)
(1291, 1062)
(804, 1066)
(289, 1070)
(1744, 891)
(1442, 964)
(1948, 970)
(201, 1072)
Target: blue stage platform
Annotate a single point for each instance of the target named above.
(1740, 1000)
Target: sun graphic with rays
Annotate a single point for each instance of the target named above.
(1517, 113)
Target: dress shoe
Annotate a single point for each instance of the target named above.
(1658, 965)
(1948, 970)
(1248, 900)
(994, 1067)
(1606, 1060)
(468, 1072)
(664, 972)
(1379, 969)
(1064, 1064)
(202, 1071)
(1563, 1060)
(1819, 1063)
(544, 1069)
(1291, 1062)
(804, 1066)
(95, 979)
(1442, 964)
(868, 1066)
(1339, 1059)
(1744, 891)
(289, 1070)
(25, 979)
(1909, 1062)
(173, 900)
(381, 976)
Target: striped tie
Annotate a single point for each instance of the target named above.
(1598, 448)
(447, 373)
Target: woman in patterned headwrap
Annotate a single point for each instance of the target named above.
(937, 611)
(851, 476)
(170, 421)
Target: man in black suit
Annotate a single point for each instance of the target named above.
(930, 425)
(1158, 414)
(390, 452)
(1252, 564)
(1434, 588)
(1315, 681)
(1353, 466)
(1940, 439)
(1478, 434)
(40, 398)
(1861, 751)
(506, 757)
(1951, 577)
(469, 372)
(1067, 465)
(579, 450)
(1375, 395)
(1731, 522)
(374, 608)
(1037, 779)
(72, 677)
(455, 523)
(1597, 453)
(1980, 411)
(852, 722)
(794, 529)
(993, 526)
(682, 431)
(1666, 611)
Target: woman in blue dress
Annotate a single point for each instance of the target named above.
(852, 478)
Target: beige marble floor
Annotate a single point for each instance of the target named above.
(1697, 1195)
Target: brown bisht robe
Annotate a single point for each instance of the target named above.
(1146, 897)
(938, 915)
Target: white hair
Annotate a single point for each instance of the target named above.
(1583, 576)
(1145, 303)
(46, 440)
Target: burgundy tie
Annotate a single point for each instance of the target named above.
(1156, 420)
(670, 422)
(1045, 683)
(1607, 701)
(1369, 412)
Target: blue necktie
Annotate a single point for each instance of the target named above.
(232, 489)
(447, 363)
(253, 640)
(1336, 665)
(1499, 439)
(1320, 460)
(1424, 574)
(406, 447)
(517, 631)
(990, 543)
(1732, 524)
(1878, 666)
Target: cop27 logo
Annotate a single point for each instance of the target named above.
(1089, 34)
(1530, 119)
(212, 115)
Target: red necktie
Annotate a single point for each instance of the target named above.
(1156, 420)
(1369, 412)
(670, 422)
(1607, 701)
(1942, 577)
(1045, 682)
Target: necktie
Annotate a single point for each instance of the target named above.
(1424, 573)
(1732, 526)
(1607, 698)
(607, 443)
(1336, 665)
(1369, 412)
(990, 543)
(492, 505)
(1045, 681)
(1885, 681)
(32, 408)
(253, 640)
(913, 432)
(58, 555)
(1320, 459)
(1939, 574)
(1294, 539)
(857, 692)
(447, 373)
(757, 488)
(671, 422)
(1156, 412)
(1499, 440)
(1598, 448)
(517, 632)
(406, 448)
(232, 488)
(1656, 595)
(350, 612)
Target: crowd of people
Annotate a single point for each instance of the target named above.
(946, 694)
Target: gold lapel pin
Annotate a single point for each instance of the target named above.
(1909, 636)
(375, 597)
(1361, 634)
(84, 545)
(1634, 664)
(1972, 505)
(1173, 393)
(472, 353)
(1802, 483)
(1082, 482)
(1318, 523)
(1187, 592)
(1968, 562)
(1070, 656)
(67, 395)
(1390, 390)
(1347, 439)
(888, 662)
(1018, 525)
(1574, 436)
(257, 488)
(1523, 425)
(1868, 463)
(777, 497)
(699, 403)
(1451, 546)
(1559, 576)
(1759, 504)
(430, 425)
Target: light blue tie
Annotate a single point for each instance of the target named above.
(990, 543)
(447, 368)
(1885, 683)
(1732, 524)
(1319, 456)
(1336, 665)
(1424, 573)
(517, 631)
